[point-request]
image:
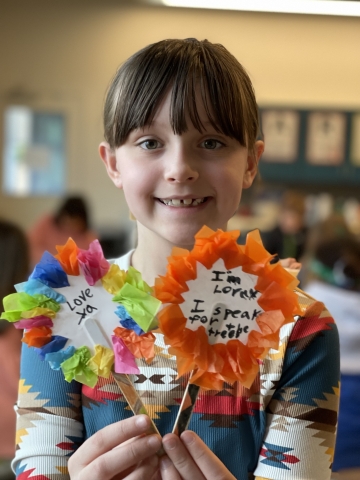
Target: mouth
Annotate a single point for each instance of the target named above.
(183, 202)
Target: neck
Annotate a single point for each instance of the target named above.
(151, 254)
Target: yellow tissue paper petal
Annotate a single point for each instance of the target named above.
(37, 312)
(102, 362)
(114, 279)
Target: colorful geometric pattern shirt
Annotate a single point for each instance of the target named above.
(282, 428)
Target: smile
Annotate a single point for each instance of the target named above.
(186, 202)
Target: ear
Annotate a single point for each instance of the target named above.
(108, 156)
(252, 163)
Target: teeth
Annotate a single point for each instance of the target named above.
(186, 202)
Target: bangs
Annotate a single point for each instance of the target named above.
(188, 68)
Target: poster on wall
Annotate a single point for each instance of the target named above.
(326, 138)
(281, 134)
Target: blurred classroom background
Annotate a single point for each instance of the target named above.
(56, 61)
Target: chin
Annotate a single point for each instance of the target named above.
(184, 238)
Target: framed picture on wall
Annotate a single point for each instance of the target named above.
(34, 151)
(281, 135)
(326, 138)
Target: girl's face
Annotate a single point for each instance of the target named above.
(176, 184)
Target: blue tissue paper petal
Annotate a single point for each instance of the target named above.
(50, 272)
(55, 359)
(130, 324)
(34, 286)
(121, 312)
(126, 321)
(57, 343)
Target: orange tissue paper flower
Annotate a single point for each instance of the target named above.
(224, 306)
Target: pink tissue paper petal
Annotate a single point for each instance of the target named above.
(27, 323)
(124, 359)
(93, 263)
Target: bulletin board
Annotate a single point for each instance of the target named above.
(319, 146)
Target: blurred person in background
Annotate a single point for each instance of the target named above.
(14, 268)
(332, 275)
(287, 239)
(70, 220)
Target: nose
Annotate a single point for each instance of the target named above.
(181, 167)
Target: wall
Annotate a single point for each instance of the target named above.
(64, 53)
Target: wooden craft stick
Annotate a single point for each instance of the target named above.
(132, 397)
(304, 293)
(122, 379)
(186, 408)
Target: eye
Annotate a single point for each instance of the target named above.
(149, 144)
(212, 144)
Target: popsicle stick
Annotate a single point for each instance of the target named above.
(186, 408)
(304, 293)
(122, 379)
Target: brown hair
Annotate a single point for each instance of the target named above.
(144, 79)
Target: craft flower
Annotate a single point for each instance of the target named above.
(225, 306)
(67, 294)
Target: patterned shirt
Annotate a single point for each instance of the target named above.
(282, 428)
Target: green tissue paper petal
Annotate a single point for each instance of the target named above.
(15, 303)
(140, 305)
(75, 368)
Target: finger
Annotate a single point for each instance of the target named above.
(208, 463)
(110, 437)
(106, 440)
(286, 262)
(168, 470)
(183, 465)
(118, 460)
(147, 469)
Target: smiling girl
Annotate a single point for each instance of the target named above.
(181, 128)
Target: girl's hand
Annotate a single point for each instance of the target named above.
(119, 451)
(189, 458)
(291, 265)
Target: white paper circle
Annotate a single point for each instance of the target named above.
(82, 302)
(223, 301)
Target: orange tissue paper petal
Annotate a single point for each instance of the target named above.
(67, 256)
(141, 346)
(37, 336)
